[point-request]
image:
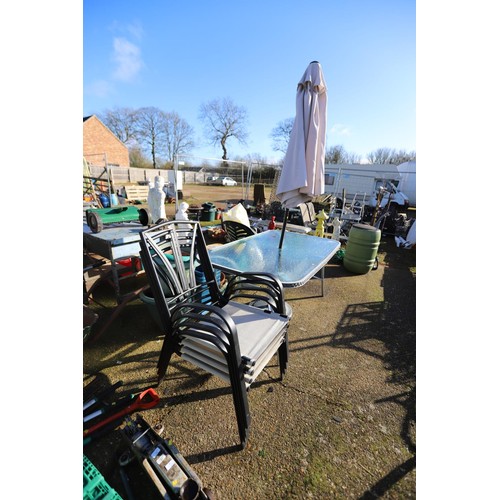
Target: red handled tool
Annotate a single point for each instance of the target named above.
(145, 400)
(114, 406)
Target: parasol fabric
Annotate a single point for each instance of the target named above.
(303, 173)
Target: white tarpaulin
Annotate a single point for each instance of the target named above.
(303, 174)
(238, 213)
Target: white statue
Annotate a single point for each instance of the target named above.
(336, 228)
(181, 213)
(156, 199)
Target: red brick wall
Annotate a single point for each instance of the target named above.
(97, 140)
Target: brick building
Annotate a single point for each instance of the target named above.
(100, 143)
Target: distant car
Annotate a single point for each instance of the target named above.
(226, 181)
(212, 180)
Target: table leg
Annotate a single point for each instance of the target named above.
(115, 280)
(116, 311)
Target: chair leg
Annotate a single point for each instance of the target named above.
(283, 356)
(240, 400)
(243, 417)
(166, 353)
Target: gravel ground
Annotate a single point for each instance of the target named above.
(341, 424)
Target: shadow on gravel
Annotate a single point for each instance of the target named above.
(210, 455)
(385, 484)
(392, 323)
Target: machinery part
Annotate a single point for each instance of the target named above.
(126, 484)
(145, 217)
(125, 458)
(158, 428)
(151, 473)
(95, 222)
(190, 489)
(162, 461)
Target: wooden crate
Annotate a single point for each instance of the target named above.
(137, 193)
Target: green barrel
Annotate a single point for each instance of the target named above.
(97, 217)
(208, 212)
(361, 249)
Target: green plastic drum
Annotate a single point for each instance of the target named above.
(98, 217)
(361, 249)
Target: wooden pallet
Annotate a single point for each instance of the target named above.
(137, 193)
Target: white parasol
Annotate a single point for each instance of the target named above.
(303, 173)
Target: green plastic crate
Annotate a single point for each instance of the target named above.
(95, 486)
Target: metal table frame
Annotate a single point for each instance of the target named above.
(114, 243)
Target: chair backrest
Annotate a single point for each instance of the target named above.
(308, 213)
(236, 230)
(178, 267)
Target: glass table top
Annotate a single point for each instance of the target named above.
(299, 259)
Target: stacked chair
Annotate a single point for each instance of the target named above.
(232, 334)
(236, 230)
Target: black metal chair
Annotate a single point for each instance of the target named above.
(236, 230)
(224, 333)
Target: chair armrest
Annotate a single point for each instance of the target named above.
(206, 322)
(257, 287)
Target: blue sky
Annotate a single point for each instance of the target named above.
(178, 55)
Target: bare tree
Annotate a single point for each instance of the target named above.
(137, 158)
(122, 122)
(178, 135)
(380, 155)
(281, 135)
(222, 120)
(338, 154)
(151, 131)
(402, 156)
(353, 158)
(388, 155)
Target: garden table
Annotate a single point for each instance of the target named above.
(301, 257)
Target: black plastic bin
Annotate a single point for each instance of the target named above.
(208, 212)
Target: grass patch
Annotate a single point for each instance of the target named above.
(319, 474)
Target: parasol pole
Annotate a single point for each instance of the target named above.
(285, 218)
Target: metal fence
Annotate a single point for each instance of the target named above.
(120, 176)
